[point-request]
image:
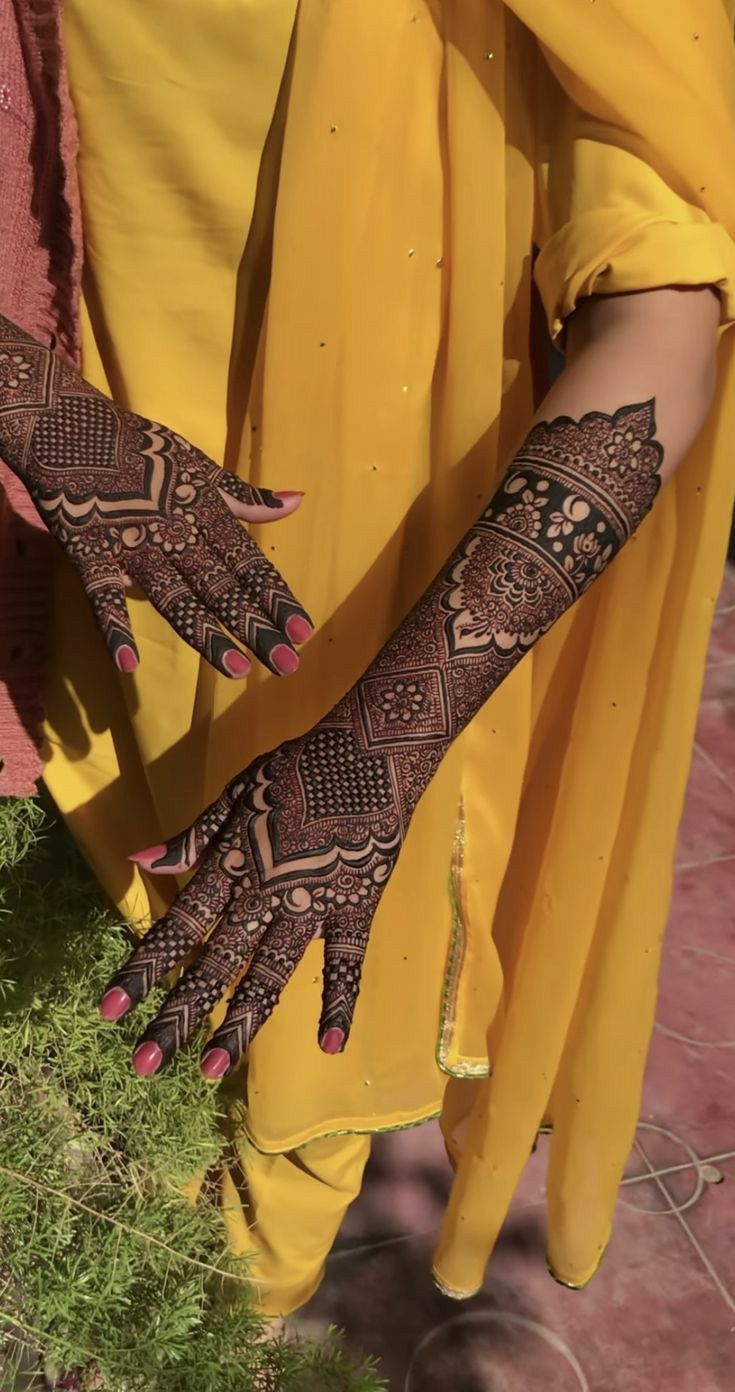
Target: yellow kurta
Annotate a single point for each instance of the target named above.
(381, 364)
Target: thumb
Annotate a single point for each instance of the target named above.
(181, 852)
(257, 504)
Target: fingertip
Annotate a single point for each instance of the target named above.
(235, 663)
(284, 659)
(147, 1059)
(152, 853)
(126, 658)
(269, 507)
(333, 1041)
(298, 629)
(115, 1003)
(214, 1064)
(160, 860)
(289, 499)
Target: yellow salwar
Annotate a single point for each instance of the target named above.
(338, 299)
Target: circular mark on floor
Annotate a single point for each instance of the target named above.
(493, 1351)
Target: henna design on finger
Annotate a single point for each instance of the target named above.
(181, 852)
(106, 594)
(344, 954)
(248, 494)
(172, 938)
(195, 621)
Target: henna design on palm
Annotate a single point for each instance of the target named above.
(305, 840)
(128, 498)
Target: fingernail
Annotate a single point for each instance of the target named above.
(284, 660)
(114, 1003)
(215, 1063)
(234, 663)
(147, 1059)
(289, 495)
(333, 1041)
(126, 658)
(298, 629)
(148, 856)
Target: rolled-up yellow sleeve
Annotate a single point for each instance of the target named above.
(613, 223)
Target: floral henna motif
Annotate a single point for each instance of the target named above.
(305, 841)
(127, 497)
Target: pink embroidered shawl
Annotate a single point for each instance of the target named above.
(40, 273)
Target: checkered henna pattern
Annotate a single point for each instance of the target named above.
(125, 496)
(304, 842)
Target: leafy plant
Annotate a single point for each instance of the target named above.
(105, 1267)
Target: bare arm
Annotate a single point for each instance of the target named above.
(658, 344)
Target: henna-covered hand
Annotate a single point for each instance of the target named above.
(304, 842)
(129, 500)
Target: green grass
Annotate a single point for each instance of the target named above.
(103, 1263)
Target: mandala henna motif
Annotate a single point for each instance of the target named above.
(305, 841)
(127, 497)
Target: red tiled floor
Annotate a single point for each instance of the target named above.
(660, 1314)
(691, 973)
(712, 1226)
(716, 733)
(681, 1177)
(722, 640)
(719, 680)
(708, 825)
(692, 1089)
(699, 916)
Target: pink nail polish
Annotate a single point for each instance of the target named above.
(298, 629)
(234, 663)
(147, 1059)
(284, 660)
(332, 1041)
(114, 1003)
(148, 856)
(215, 1064)
(289, 495)
(126, 659)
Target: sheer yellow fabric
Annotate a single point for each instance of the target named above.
(383, 366)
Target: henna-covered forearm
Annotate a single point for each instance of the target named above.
(128, 499)
(573, 495)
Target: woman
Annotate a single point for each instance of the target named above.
(308, 249)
